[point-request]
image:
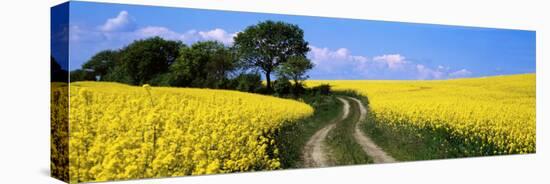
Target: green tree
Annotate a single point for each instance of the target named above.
(102, 63)
(143, 60)
(296, 69)
(81, 75)
(282, 86)
(204, 64)
(269, 44)
(248, 82)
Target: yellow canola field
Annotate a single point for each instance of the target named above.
(478, 116)
(125, 132)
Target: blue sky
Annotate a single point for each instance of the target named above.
(340, 48)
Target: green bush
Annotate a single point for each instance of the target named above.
(81, 75)
(247, 82)
(323, 89)
(282, 86)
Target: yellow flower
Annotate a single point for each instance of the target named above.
(492, 115)
(121, 134)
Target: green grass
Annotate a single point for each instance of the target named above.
(400, 144)
(403, 145)
(419, 144)
(291, 139)
(344, 150)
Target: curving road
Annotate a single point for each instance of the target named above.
(315, 154)
(369, 147)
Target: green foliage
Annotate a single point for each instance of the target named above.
(144, 60)
(204, 64)
(248, 82)
(296, 68)
(207, 64)
(81, 75)
(282, 86)
(323, 89)
(268, 44)
(291, 139)
(118, 74)
(102, 63)
(345, 149)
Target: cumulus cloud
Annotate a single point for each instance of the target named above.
(342, 64)
(424, 72)
(122, 28)
(151, 31)
(335, 62)
(392, 61)
(339, 63)
(460, 73)
(122, 22)
(189, 37)
(219, 35)
(325, 54)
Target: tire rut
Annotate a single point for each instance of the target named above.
(314, 154)
(369, 147)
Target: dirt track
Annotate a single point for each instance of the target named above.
(376, 153)
(314, 153)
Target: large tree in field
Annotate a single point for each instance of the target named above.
(143, 60)
(268, 44)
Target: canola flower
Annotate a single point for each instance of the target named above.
(125, 132)
(470, 117)
(59, 141)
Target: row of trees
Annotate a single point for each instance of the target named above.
(270, 48)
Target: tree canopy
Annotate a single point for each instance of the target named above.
(82, 75)
(268, 47)
(269, 44)
(102, 63)
(143, 60)
(296, 69)
(204, 64)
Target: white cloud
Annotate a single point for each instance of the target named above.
(338, 63)
(424, 72)
(122, 22)
(122, 28)
(219, 35)
(460, 73)
(163, 32)
(342, 64)
(324, 54)
(393, 61)
(339, 60)
(189, 37)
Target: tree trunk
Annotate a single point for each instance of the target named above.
(295, 87)
(268, 79)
